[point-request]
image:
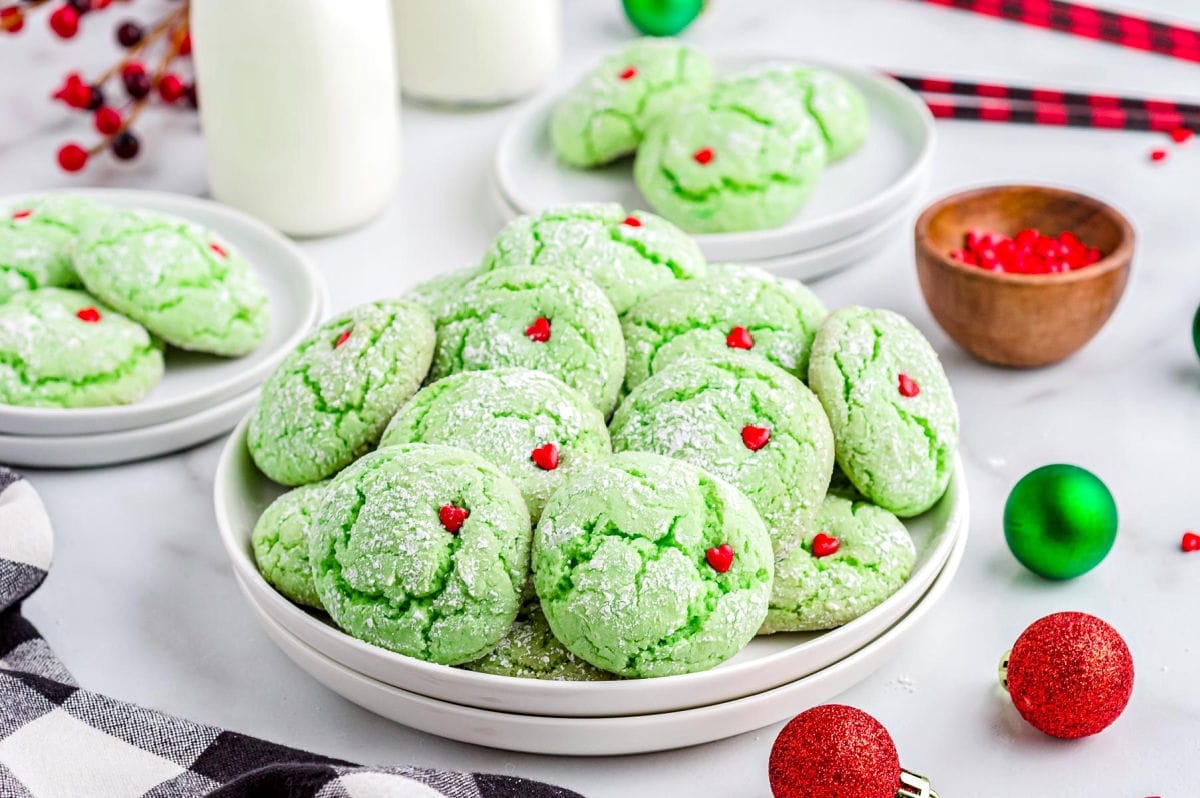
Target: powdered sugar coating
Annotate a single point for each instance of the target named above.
(327, 403)
(388, 571)
(628, 261)
(619, 566)
(485, 329)
(531, 651)
(280, 542)
(694, 320)
(503, 415)
(50, 357)
(185, 283)
(36, 236)
(897, 450)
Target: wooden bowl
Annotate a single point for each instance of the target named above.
(1022, 319)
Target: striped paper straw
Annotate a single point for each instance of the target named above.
(1059, 114)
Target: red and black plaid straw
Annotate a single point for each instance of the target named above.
(1058, 114)
(1125, 30)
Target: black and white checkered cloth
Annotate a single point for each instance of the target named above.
(58, 740)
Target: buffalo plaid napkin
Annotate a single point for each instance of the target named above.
(58, 740)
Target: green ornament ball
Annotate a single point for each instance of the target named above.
(662, 17)
(1060, 521)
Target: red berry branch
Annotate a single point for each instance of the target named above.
(114, 120)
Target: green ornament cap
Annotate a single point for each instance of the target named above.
(662, 17)
(1060, 521)
(1196, 331)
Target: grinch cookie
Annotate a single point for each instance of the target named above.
(630, 255)
(648, 566)
(734, 309)
(531, 651)
(62, 348)
(183, 282)
(35, 242)
(434, 293)
(331, 398)
(839, 108)
(546, 319)
(852, 557)
(743, 159)
(534, 427)
(604, 116)
(742, 419)
(422, 550)
(893, 415)
(280, 542)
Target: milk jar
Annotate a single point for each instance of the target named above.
(298, 108)
(476, 52)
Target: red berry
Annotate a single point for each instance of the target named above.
(545, 456)
(24, 213)
(629, 74)
(217, 248)
(1182, 135)
(1190, 542)
(12, 20)
(539, 331)
(1158, 154)
(345, 336)
(755, 437)
(72, 157)
(632, 221)
(129, 34)
(74, 92)
(908, 388)
(452, 517)
(720, 559)
(137, 84)
(171, 88)
(65, 22)
(703, 157)
(823, 545)
(125, 145)
(739, 338)
(133, 68)
(88, 314)
(108, 120)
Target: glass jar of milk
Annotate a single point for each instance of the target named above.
(298, 107)
(476, 52)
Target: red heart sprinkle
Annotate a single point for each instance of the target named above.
(739, 338)
(217, 248)
(703, 157)
(88, 314)
(1158, 154)
(452, 517)
(1190, 542)
(908, 388)
(545, 457)
(342, 338)
(755, 437)
(1182, 135)
(628, 74)
(632, 221)
(721, 558)
(22, 214)
(539, 331)
(824, 545)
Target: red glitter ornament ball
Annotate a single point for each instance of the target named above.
(1070, 674)
(834, 751)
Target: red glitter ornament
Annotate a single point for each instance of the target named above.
(720, 559)
(545, 457)
(1069, 674)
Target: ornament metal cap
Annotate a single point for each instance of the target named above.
(914, 786)
(1004, 669)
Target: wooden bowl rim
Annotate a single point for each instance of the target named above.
(1117, 259)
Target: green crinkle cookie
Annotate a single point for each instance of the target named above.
(280, 542)
(531, 651)
(487, 326)
(898, 450)
(62, 348)
(741, 160)
(839, 108)
(604, 116)
(183, 282)
(36, 236)
(699, 411)
(696, 319)
(630, 255)
(503, 415)
(874, 558)
(619, 564)
(331, 398)
(390, 573)
(436, 292)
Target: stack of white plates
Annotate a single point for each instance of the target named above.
(772, 679)
(859, 203)
(200, 396)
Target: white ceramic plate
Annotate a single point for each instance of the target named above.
(194, 382)
(616, 735)
(110, 448)
(853, 195)
(241, 493)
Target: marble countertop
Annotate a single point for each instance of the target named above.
(141, 602)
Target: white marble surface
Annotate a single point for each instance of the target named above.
(141, 603)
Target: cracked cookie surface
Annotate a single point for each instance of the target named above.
(389, 572)
(531, 651)
(36, 237)
(330, 399)
(280, 542)
(620, 566)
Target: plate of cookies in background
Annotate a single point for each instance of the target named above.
(775, 162)
(134, 323)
